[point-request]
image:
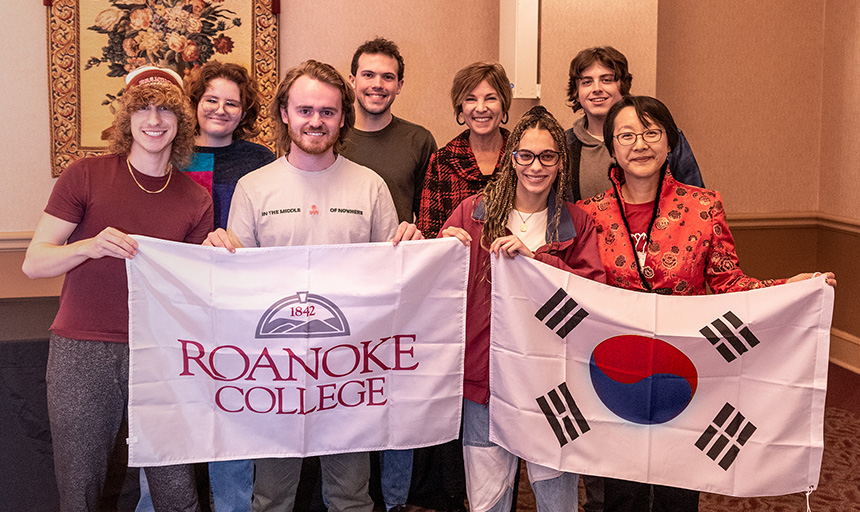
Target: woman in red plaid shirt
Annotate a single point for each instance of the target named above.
(481, 96)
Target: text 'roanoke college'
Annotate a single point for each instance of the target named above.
(278, 367)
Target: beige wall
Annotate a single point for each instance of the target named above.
(568, 27)
(744, 81)
(25, 173)
(436, 38)
(840, 131)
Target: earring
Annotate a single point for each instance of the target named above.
(461, 123)
(505, 119)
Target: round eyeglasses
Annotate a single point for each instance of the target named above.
(231, 108)
(546, 157)
(629, 138)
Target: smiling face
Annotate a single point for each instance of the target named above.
(313, 115)
(153, 129)
(641, 161)
(535, 180)
(597, 91)
(375, 82)
(482, 109)
(219, 113)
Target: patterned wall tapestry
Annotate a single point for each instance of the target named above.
(93, 44)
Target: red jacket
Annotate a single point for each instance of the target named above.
(576, 251)
(691, 245)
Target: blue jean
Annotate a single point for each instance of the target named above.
(395, 467)
(490, 471)
(232, 482)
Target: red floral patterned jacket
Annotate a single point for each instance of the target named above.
(690, 245)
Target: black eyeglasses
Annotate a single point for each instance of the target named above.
(629, 138)
(546, 157)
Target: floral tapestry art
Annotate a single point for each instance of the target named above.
(94, 44)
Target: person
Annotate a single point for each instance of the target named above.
(227, 102)
(84, 233)
(320, 198)
(598, 78)
(481, 97)
(399, 151)
(522, 213)
(396, 149)
(659, 235)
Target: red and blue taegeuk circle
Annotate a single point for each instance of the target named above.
(643, 380)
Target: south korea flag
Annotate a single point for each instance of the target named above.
(719, 393)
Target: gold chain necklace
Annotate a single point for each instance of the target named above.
(524, 227)
(169, 174)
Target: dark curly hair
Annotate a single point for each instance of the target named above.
(499, 194)
(606, 55)
(249, 92)
(161, 95)
(324, 73)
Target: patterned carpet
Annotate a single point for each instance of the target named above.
(839, 485)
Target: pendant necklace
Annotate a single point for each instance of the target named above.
(524, 227)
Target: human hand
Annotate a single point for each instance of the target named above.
(222, 238)
(510, 246)
(407, 231)
(458, 233)
(109, 242)
(829, 277)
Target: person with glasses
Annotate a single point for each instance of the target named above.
(523, 212)
(598, 78)
(658, 235)
(227, 101)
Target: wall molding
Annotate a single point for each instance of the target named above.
(845, 349)
(794, 221)
(12, 241)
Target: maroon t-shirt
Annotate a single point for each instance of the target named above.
(638, 217)
(98, 192)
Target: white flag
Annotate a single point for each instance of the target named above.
(719, 393)
(293, 351)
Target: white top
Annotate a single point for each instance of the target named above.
(281, 205)
(534, 235)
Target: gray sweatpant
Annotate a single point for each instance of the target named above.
(87, 405)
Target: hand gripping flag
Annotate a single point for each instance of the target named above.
(719, 393)
(293, 351)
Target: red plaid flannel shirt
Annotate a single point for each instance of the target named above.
(452, 176)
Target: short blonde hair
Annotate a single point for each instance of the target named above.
(469, 77)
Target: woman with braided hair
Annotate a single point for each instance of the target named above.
(523, 212)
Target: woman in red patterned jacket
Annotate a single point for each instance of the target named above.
(481, 95)
(658, 235)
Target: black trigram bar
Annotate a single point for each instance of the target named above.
(561, 412)
(729, 336)
(738, 429)
(565, 309)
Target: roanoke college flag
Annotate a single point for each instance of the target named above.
(293, 351)
(719, 393)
